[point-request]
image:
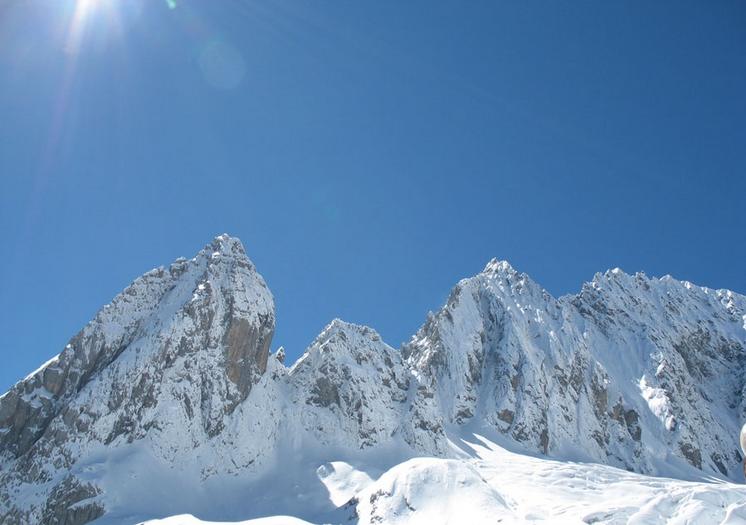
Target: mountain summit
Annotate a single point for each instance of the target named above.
(168, 400)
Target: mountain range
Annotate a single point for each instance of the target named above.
(621, 403)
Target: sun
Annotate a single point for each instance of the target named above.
(84, 7)
(81, 13)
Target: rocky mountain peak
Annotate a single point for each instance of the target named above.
(355, 382)
(174, 354)
(502, 350)
(227, 245)
(498, 266)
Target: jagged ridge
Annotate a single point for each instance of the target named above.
(646, 374)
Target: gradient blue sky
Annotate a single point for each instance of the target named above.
(368, 154)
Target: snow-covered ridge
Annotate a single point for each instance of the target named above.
(168, 400)
(641, 373)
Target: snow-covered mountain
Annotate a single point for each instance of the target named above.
(645, 374)
(169, 402)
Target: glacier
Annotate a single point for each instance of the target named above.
(619, 404)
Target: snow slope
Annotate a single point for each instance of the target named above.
(169, 402)
(491, 485)
(188, 519)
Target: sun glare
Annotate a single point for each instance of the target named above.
(83, 9)
(85, 4)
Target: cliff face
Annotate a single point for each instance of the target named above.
(167, 361)
(174, 376)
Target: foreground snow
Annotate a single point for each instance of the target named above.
(493, 485)
(187, 519)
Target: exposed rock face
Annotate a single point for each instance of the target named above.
(645, 374)
(72, 503)
(168, 360)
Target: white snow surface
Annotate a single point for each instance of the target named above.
(488, 484)
(621, 404)
(188, 519)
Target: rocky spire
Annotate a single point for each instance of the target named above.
(181, 345)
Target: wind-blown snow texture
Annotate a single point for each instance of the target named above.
(169, 402)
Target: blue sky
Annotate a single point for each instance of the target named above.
(368, 154)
